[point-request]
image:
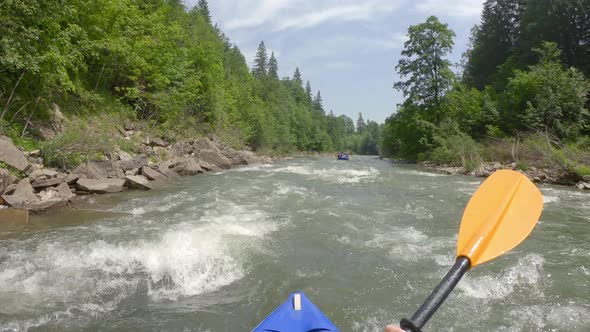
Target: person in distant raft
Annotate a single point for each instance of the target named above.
(391, 328)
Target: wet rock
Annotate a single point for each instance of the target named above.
(214, 157)
(170, 174)
(11, 155)
(101, 186)
(138, 182)
(99, 170)
(187, 166)
(13, 219)
(250, 158)
(152, 174)
(138, 163)
(208, 167)
(583, 185)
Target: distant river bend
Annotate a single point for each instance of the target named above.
(365, 239)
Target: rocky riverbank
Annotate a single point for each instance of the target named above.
(538, 175)
(29, 186)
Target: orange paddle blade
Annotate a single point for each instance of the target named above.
(500, 215)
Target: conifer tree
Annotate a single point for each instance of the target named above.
(360, 123)
(273, 67)
(260, 62)
(318, 102)
(297, 77)
(308, 91)
(204, 10)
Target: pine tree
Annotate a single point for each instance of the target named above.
(204, 10)
(360, 123)
(493, 41)
(297, 77)
(260, 61)
(273, 67)
(308, 91)
(318, 102)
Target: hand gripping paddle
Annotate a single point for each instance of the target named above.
(499, 216)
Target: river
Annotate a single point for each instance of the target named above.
(365, 240)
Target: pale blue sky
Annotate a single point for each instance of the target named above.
(347, 49)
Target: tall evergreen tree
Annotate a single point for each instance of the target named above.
(493, 40)
(308, 91)
(318, 103)
(297, 77)
(204, 10)
(273, 67)
(425, 64)
(360, 123)
(260, 61)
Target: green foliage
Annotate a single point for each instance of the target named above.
(548, 97)
(454, 147)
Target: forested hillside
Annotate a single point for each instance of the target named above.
(520, 95)
(158, 65)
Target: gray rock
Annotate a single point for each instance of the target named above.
(134, 171)
(138, 162)
(10, 189)
(208, 167)
(170, 174)
(47, 183)
(64, 191)
(124, 156)
(204, 143)
(250, 158)
(138, 182)
(214, 157)
(6, 179)
(101, 186)
(181, 149)
(71, 178)
(583, 186)
(586, 178)
(23, 195)
(11, 155)
(152, 174)
(155, 141)
(99, 170)
(13, 219)
(34, 153)
(187, 166)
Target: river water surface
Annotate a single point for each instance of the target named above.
(365, 240)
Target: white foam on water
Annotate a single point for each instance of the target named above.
(334, 174)
(162, 204)
(283, 189)
(526, 273)
(421, 173)
(550, 199)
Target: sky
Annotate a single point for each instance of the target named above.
(347, 49)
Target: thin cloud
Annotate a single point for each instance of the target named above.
(455, 8)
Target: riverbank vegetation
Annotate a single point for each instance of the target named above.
(155, 66)
(521, 94)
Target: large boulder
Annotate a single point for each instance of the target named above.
(11, 155)
(214, 157)
(181, 149)
(13, 219)
(187, 166)
(23, 195)
(138, 162)
(204, 143)
(124, 156)
(138, 182)
(164, 169)
(153, 174)
(101, 186)
(208, 167)
(99, 170)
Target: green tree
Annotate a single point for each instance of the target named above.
(424, 64)
(204, 10)
(308, 91)
(297, 77)
(260, 61)
(360, 123)
(273, 67)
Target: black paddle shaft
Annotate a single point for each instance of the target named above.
(437, 297)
